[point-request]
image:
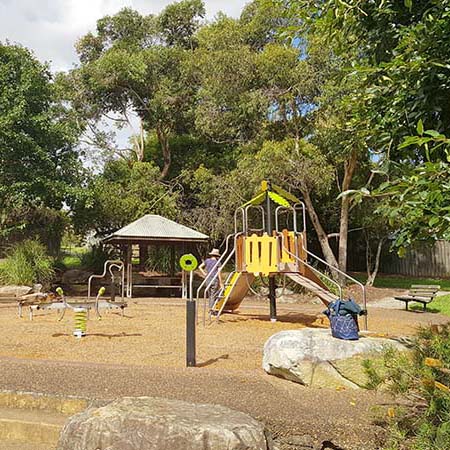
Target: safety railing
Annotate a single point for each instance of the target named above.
(294, 210)
(214, 278)
(222, 293)
(216, 266)
(346, 275)
(301, 261)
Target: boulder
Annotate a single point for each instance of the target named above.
(75, 276)
(148, 423)
(314, 358)
(14, 291)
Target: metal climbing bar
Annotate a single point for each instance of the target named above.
(120, 266)
(301, 261)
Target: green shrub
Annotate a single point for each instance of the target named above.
(96, 257)
(160, 260)
(421, 379)
(27, 263)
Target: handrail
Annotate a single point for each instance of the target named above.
(310, 266)
(363, 288)
(303, 216)
(229, 277)
(215, 265)
(294, 216)
(262, 216)
(235, 219)
(212, 280)
(287, 208)
(227, 244)
(114, 263)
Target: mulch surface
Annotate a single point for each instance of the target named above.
(143, 353)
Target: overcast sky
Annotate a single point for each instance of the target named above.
(51, 27)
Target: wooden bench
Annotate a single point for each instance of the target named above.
(420, 293)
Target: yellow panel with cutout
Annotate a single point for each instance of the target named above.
(288, 247)
(261, 254)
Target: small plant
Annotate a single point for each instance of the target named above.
(421, 378)
(27, 263)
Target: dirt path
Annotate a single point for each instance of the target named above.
(289, 410)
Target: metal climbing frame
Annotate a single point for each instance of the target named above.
(110, 265)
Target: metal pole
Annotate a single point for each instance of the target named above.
(190, 325)
(273, 299)
(272, 285)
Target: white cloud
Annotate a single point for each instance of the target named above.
(51, 28)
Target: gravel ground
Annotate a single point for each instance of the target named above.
(143, 353)
(290, 411)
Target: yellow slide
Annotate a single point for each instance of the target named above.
(235, 291)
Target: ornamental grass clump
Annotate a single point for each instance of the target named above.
(27, 263)
(420, 380)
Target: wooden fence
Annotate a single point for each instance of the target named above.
(423, 261)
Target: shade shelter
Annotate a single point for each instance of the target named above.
(158, 231)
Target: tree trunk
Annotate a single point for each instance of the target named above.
(349, 170)
(163, 139)
(323, 238)
(372, 273)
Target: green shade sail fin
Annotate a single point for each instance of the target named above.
(278, 195)
(278, 199)
(287, 195)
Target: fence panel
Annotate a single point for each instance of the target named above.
(422, 261)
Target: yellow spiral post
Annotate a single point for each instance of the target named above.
(80, 322)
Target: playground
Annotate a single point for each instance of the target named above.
(114, 342)
(152, 332)
(143, 353)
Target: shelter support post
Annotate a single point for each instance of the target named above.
(172, 261)
(129, 262)
(143, 255)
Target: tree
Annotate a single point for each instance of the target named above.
(398, 52)
(38, 164)
(122, 194)
(137, 64)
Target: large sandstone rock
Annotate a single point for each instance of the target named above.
(14, 291)
(147, 423)
(314, 358)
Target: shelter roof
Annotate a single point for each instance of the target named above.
(156, 228)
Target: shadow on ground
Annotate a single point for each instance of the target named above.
(308, 320)
(109, 336)
(211, 361)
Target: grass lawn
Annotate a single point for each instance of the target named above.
(71, 257)
(389, 281)
(440, 304)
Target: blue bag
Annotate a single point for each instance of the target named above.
(342, 326)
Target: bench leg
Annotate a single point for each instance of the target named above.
(424, 306)
(406, 305)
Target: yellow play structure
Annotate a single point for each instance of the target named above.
(277, 247)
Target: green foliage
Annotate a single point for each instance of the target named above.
(38, 164)
(179, 21)
(159, 260)
(422, 379)
(123, 194)
(397, 282)
(95, 258)
(27, 263)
